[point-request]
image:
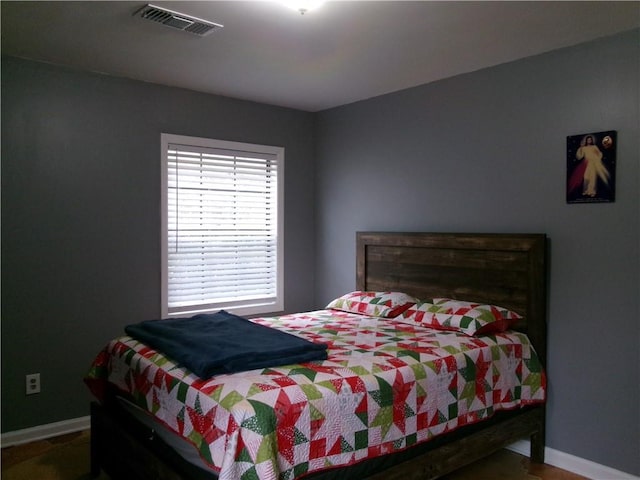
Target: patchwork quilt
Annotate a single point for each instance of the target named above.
(385, 387)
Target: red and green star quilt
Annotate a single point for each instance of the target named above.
(385, 387)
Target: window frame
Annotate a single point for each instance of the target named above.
(237, 307)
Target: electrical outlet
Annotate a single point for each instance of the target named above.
(33, 383)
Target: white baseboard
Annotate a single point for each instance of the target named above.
(574, 464)
(553, 457)
(41, 432)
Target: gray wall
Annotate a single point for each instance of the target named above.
(485, 152)
(81, 217)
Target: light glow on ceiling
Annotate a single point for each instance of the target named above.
(302, 6)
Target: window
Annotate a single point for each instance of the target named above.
(222, 226)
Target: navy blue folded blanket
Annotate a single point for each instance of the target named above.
(211, 344)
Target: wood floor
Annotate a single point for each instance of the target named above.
(67, 458)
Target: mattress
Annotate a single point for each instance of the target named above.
(385, 387)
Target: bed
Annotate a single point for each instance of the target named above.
(508, 270)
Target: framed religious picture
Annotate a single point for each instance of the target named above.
(591, 167)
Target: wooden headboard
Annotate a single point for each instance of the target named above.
(500, 269)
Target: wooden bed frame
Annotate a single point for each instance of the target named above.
(503, 269)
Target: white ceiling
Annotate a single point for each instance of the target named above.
(338, 54)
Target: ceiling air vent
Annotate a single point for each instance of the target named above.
(187, 23)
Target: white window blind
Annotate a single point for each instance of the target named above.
(223, 227)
